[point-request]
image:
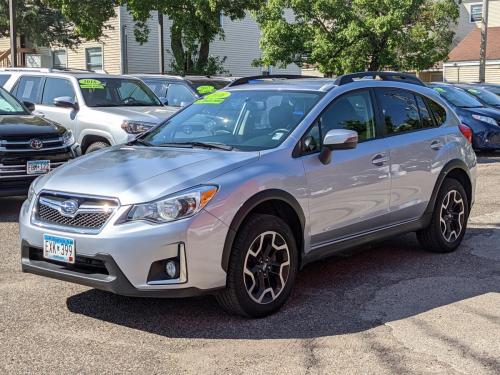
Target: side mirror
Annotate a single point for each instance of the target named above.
(65, 102)
(164, 101)
(29, 105)
(337, 139)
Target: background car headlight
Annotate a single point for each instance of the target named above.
(179, 206)
(136, 127)
(68, 138)
(486, 119)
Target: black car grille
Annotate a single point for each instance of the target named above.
(23, 143)
(82, 264)
(92, 213)
(15, 171)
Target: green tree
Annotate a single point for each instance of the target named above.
(40, 23)
(342, 36)
(195, 24)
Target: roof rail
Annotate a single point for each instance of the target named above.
(384, 76)
(244, 80)
(21, 69)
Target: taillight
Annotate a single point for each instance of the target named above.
(466, 131)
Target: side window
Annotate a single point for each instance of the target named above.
(178, 94)
(425, 115)
(353, 111)
(4, 78)
(27, 89)
(438, 111)
(400, 110)
(56, 87)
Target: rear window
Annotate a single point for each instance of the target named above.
(4, 78)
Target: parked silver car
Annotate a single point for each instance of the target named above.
(100, 109)
(236, 193)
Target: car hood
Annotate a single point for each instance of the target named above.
(483, 111)
(136, 174)
(148, 114)
(27, 125)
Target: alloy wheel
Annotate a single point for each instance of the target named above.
(267, 267)
(452, 216)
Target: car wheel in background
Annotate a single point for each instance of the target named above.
(96, 146)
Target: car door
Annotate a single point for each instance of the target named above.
(350, 195)
(415, 146)
(55, 87)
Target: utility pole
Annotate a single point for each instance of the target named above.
(161, 42)
(13, 33)
(484, 40)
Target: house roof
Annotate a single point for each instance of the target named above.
(468, 48)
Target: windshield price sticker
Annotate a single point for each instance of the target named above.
(439, 89)
(215, 98)
(88, 83)
(204, 90)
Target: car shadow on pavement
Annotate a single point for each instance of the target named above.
(392, 280)
(9, 209)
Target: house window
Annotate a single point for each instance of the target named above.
(476, 13)
(93, 58)
(59, 59)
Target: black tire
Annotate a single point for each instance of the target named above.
(236, 298)
(96, 146)
(432, 238)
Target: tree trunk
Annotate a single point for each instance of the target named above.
(177, 47)
(203, 54)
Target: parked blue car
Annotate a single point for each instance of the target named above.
(483, 120)
(484, 96)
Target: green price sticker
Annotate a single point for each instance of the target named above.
(89, 83)
(204, 90)
(439, 89)
(215, 98)
(474, 91)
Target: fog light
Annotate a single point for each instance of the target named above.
(171, 269)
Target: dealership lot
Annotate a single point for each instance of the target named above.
(390, 308)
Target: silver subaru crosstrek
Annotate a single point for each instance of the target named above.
(235, 193)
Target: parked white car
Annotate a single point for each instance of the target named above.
(100, 109)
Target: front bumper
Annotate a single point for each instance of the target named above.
(119, 259)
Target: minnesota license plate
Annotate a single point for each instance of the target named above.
(57, 248)
(37, 166)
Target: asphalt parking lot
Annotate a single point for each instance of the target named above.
(389, 308)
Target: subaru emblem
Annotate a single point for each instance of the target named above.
(69, 207)
(36, 144)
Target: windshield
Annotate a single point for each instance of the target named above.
(243, 120)
(457, 97)
(484, 95)
(117, 92)
(9, 105)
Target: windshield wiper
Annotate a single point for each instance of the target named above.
(207, 145)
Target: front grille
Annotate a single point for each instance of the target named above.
(23, 143)
(87, 220)
(16, 171)
(82, 264)
(91, 214)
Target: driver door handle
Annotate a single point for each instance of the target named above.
(380, 159)
(436, 145)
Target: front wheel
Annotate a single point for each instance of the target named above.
(449, 219)
(262, 267)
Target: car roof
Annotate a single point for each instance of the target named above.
(156, 76)
(62, 72)
(311, 84)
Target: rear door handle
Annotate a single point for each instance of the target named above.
(436, 145)
(380, 159)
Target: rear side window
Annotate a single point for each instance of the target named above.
(400, 111)
(55, 88)
(4, 78)
(438, 112)
(27, 89)
(425, 115)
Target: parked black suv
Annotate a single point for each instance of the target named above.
(29, 145)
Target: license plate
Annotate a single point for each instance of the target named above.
(57, 248)
(37, 166)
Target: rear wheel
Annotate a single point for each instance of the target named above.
(262, 267)
(449, 219)
(96, 146)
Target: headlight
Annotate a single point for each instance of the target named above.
(179, 206)
(31, 192)
(486, 119)
(68, 138)
(136, 127)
